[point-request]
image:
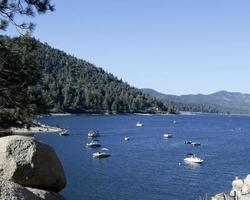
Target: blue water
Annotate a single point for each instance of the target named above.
(149, 167)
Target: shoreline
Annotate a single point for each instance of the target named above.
(66, 114)
(60, 114)
(36, 128)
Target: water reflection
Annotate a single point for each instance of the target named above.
(191, 165)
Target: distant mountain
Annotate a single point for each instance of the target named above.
(219, 102)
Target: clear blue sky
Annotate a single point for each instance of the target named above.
(173, 46)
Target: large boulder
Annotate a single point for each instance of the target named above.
(13, 191)
(222, 196)
(45, 195)
(247, 179)
(30, 163)
(246, 186)
(245, 189)
(237, 184)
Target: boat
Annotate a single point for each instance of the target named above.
(195, 144)
(93, 134)
(64, 133)
(93, 144)
(174, 122)
(101, 155)
(126, 138)
(139, 124)
(193, 159)
(167, 135)
(188, 142)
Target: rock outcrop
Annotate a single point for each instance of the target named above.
(222, 196)
(29, 170)
(13, 191)
(45, 195)
(27, 162)
(246, 186)
(240, 190)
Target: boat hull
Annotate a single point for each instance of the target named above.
(196, 144)
(93, 145)
(167, 136)
(64, 134)
(93, 134)
(198, 161)
(102, 155)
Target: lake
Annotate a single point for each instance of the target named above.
(149, 167)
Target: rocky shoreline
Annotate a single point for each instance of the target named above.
(240, 190)
(36, 128)
(29, 170)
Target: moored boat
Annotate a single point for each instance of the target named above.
(139, 124)
(101, 155)
(93, 133)
(93, 144)
(167, 135)
(64, 133)
(126, 138)
(196, 144)
(193, 159)
(188, 142)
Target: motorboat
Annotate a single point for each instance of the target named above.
(139, 124)
(93, 144)
(195, 144)
(188, 142)
(64, 133)
(126, 138)
(193, 159)
(101, 155)
(93, 134)
(167, 135)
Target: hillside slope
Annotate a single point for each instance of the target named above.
(222, 101)
(69, 84)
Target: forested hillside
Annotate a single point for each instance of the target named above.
(68, 84)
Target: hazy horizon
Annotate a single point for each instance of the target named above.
(197, 93)
(180, 47)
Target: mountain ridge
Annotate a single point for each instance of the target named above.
(229, 102)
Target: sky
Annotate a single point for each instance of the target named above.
(172, 46)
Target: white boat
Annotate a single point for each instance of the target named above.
(93, 144)
(193, 159)
(167, 135)
(196, 143)
(139, 124)
(93, 134)
(101, 155)
(126, 138)
(64, 133)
